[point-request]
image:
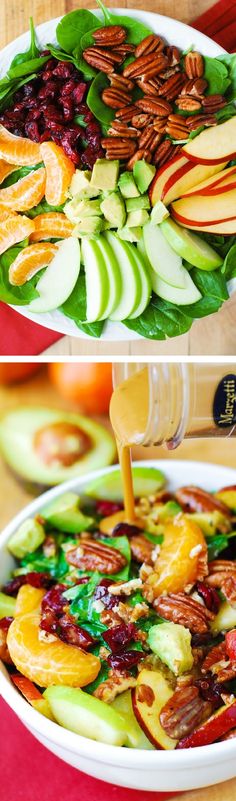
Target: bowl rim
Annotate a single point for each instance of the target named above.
(75, 743)
(55, 320)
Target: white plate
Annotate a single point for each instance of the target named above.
(175, 33)
(142, 770)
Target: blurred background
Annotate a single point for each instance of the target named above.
(70, 389)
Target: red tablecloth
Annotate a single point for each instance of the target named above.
(20, 337)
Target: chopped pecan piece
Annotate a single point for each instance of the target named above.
(141, 549)
(195, 499)
(116, 683)
(194, 65)
(229, 590)
(109, 36)
(216, 654)
(183, 712)
(219, 571)
(181, 608)
(151, 44)
(125, 587)
(92, 555)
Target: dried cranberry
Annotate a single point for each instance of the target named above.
(68, 108)
(101, 594)
(210, 690)
(72, 634)
(45, 137)
(35, 579)
(51, 112)
(126, 660)
(47, 75)
(32, 131)
(53, 599)
(199, 640)
(5, 622)
(28, 90)
(68, 88)
(34, 114)
(209, 596)
(63, 69)
(44, 53)
(119, 636)
(125, 530)
(79, 92)
(107, 508)
(49, 90)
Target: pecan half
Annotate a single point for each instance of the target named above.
(118, 148)
(200, 119)
(229, 590)
(126, 113)
(195, 499)
(218, 663)
(119, 128)
(141, 549)
(102, 59)
(183, 712)
(165, 152)
(195, 86)
(150, 138)
(188, 103)
(219, 571)
(109, 36)
(216, 654)
(194, 65)
(173, 55)
(149, 65)
(119, 82)
(141, 120)
(116, 683)
(150, 87)
(156, 106)
(140, 154)
(172, 87)
(125, 49)
(176, 127)
(151, 44)
(213, 103)
(93, 555)
(115, 98)
(181, 608)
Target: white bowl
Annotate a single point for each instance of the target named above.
(174, 32)
(141, 770)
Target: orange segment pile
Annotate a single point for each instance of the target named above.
(54, 224)
(181, 558)
(18, 150)
(59, 172)
(6, 169)
(25, 193)
(48, 663)
(29, 261)
(15, 229)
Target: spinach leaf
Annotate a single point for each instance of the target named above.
(31, 53)
(229, 61)
(73, 26)
(16, 295)
(19, 173)
(212, 283)
(221, 244)
(136, 31)
(94, 101)
(216, 74)
(229, 266)
(61, 55)
(226, 113)
(43, 208)
(27, 67)
(160, 320)
(215, 545)
(55, 565)
(75, 308)
(102, 676)
(7, 93)
(145, 623)
(157, 539)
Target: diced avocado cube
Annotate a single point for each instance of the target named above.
(127, 185)
(172, 643)
(28, 537)
(105, 174)
(88, 208)
(113, 208)
(7, 605)
(143, 174)
(130, 234)
(80, 180)
(225, 618)
(135, 218)
(89, 226)
(159, 212)
(64, 514)
(141, 202)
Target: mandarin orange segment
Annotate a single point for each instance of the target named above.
(30, 260)
(6, 169)
(48, 663)
(181, 557)
(54, 224)
(28, 600)
(15, 229)
(59, 172)
(25, 193)
(17, 149)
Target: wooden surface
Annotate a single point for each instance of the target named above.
(216, 334)
(14, 497)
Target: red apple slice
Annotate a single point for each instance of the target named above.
(213, 145)
(163, 174)
(148, 697)
(211, 183)
(225, 228)
(218, 724)
(185, 179)
(202, 210)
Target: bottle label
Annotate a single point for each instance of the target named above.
(224, 404)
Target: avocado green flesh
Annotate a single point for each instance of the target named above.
(17, 432)
(86, 715)
(172, 643)
(7, 605)
(147, 480)
(64, 514)
(28, 537)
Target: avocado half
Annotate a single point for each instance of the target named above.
(45, 447)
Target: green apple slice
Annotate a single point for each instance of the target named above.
(59, 278)
(146, 285)
(190, 246)
(182, 297)
(130, 278)
(135, 735)
(163, 259)
(114, 275)
(86, 715)
(96, 278)
(146, 481)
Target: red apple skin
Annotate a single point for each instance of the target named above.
(163, 169)
(196, 160)
(213, 189)
(174, 178)
(219, 189)
(141, 722)
(214, 728)
(230, 641)
(185, 221)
